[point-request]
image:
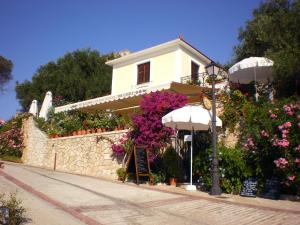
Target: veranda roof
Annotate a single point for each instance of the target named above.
(129, 100)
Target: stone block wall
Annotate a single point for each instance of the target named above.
(89, 154)
(35, 142)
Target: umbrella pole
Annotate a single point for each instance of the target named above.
(255, 86)
(191, 187)
(191, 171)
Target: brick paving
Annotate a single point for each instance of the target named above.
(97, 201)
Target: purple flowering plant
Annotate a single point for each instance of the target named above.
(148, 129)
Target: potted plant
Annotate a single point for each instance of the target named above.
(171, 161)
(53, 131)
(120, 122)
(121, 172)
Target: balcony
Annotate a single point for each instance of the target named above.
(203, 80)
(197, 79)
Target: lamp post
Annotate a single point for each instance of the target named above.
(213, 70)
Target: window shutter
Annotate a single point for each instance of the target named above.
(143, 75)
(195, 71)
(140, 74)
(147, 72)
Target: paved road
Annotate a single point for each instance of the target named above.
(60, 198)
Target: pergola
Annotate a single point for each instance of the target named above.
(130, 101)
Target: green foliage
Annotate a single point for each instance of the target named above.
(76, 76)
(232, 168)
(159, 177)
(5, 71)
(121, 172)
(16, 210)
(64, 123)
(11, 158)
(274, 32)
(234, 106)
(171, 162)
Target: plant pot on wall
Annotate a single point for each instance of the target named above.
(99, 130)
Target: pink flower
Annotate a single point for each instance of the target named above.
(287, 124)
(298, 125)
(291, 178)
(272, 115)
(297, 160)
(288, 109)
(2, 122)
(284, 143)
(298, 117)
(250, 143)
(264, 133)
(298, 148)
(284, 133)
(280, 127)
(281, 163)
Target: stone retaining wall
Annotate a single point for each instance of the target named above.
(89, 154)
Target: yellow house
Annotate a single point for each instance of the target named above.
(174, 66)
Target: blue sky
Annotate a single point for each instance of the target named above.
(34, 32)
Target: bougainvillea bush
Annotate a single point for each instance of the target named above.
(11, 137)
(148, 129)
(272, 142)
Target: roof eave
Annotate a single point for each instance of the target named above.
(170, 44)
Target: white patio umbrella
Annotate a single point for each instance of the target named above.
(252, 69)
(47, 104)
(190, 118)
(34, 108)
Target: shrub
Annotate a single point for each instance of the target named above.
(232, 169)
(271, 140)
(11, 137)
(159, 177)
(171, 162)
(121, 172)
(270, 137)
(16, 210)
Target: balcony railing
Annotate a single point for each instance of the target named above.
(197, 79)
(202, 79)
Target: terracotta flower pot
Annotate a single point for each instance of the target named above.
(173, 181)
(99, 130)
(79, 132)
(83, 132)
(74, 133)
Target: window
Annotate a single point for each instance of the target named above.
(195, 71)
(143, 73)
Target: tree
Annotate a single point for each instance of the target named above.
(5, 71)
(274, 32)
(76, 76)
